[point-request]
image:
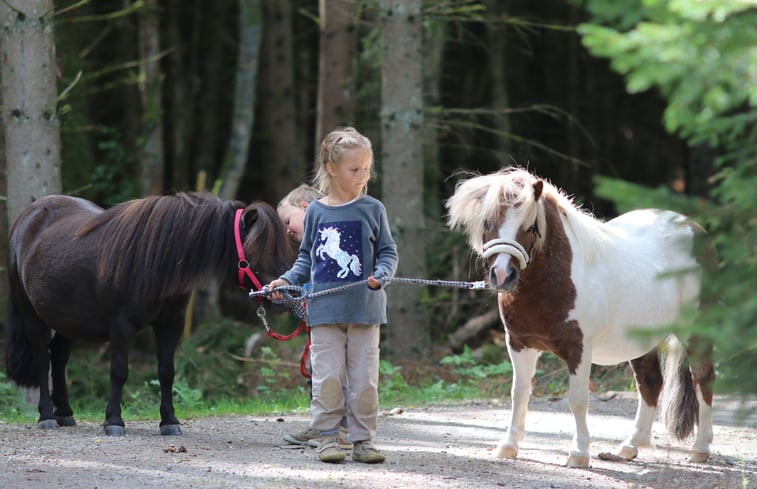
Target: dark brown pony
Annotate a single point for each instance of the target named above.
(78, 272)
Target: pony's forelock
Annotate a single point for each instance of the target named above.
(479, 200)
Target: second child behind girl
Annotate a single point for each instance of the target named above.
(346, 239)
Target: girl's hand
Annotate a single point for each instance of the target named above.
(374, 283)
(276, 283)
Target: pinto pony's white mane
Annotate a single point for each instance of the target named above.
(478, 201)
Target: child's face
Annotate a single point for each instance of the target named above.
(293, 217)
(353, 171)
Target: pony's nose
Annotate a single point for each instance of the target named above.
(504, 282)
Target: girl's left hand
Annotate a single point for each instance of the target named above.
(374, 283)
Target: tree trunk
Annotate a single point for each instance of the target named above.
(151, 157)
(402, 156)
(497, 41)
(336, 81)
(283, 147)
(178, 100)
(4, 228)
(433, 50)
(30, 95)
(245, 88)
(209, 85)
(207, 304)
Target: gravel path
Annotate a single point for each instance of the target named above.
(434, 447)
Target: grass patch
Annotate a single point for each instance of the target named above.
(214, 377)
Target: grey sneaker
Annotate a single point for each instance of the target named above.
(329, 451)
(304, 437)
(341, 440)
(366, 451)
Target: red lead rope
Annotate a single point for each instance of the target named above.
(280, 337)
(246, 271)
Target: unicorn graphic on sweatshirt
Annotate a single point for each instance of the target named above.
(331, 239)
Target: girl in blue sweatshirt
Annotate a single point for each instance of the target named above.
(346, 239)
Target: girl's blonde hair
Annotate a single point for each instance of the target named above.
(333, 147)
(303, 193)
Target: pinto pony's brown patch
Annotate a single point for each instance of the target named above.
(536, 317)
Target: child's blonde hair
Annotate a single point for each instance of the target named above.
(303, 193)
(333, 147)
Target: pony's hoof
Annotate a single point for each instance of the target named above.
(578, 461)
(627, 452)
(698, 457)
(65, 420)
(47, 424)
(114, 430)
(170, 430)
(506, 451)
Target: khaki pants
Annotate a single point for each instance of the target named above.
(345, 354)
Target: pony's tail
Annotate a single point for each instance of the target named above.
(680, 406)
(18, 352)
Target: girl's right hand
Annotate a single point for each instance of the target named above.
(272, 294)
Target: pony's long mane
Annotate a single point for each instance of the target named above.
(161, 246)
(478, 201)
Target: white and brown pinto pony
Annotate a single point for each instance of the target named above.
(577, 287)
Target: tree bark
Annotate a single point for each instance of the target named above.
(497, 41)
(408, 336)
(151, 157)
(30, 96)
(283, 147)
(4, 229)
(207, 303)
(336, 81)
(243, 116)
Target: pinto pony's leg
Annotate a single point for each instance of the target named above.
(60, 352)
(648, 375)
(524, 367)
(578, 399)
(703, 376)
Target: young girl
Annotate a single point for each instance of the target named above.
(346, 239)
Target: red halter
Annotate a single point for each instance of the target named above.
(244, 265)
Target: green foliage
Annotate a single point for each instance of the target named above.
(12, 405)
(702, 56)
(112, 180)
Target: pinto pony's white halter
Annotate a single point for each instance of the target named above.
(512, 248)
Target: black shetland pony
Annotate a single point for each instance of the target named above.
(77, 271)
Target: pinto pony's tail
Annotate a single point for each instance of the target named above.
(680, 406)
(18, 351)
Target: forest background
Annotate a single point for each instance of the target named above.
(623, 104)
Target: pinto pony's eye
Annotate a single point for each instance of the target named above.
(490, 226)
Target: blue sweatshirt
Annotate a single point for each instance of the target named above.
(340, 245)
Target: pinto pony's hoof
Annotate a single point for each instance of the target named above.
(698, 457)
(47, 424)
(578, 461)
(114, 430)
(65, 420)
(504, 450)
(170, 430)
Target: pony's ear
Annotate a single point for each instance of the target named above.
(250, 216)
(538, 187)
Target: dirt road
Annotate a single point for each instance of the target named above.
(428, 448)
